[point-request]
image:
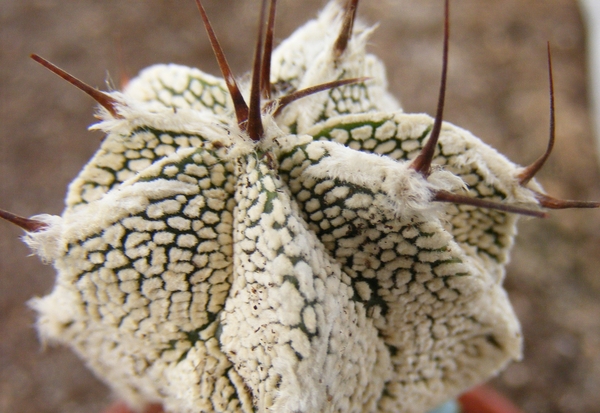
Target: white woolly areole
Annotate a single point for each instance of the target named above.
(496, 168)
(130, 198)
(135, 114)
(46, 243)
(54, 312)
(118, 204)
(210, 126)
(408, 191)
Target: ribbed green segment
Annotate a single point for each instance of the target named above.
(160, 277)
(487, 232)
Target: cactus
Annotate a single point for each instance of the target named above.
(297, 243)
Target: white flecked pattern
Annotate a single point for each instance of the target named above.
(308, 272)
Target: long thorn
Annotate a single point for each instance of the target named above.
(29, 225)
(422, 163)
(553, 203)
(341, 42)
(299, 94)
(265, 80)
(445, 196)
(241, 108)
(255, 126)
(104, 100)
(530, 171)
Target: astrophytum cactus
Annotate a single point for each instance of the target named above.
(313, 250)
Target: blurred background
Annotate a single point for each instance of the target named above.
(497, 89)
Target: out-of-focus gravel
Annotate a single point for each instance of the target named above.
(497, 89)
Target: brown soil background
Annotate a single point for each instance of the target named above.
(497, 89)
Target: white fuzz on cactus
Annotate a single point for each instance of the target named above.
(222, 257)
